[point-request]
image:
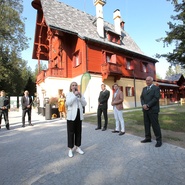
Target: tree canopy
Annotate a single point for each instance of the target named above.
(176, 35)
(14, 71)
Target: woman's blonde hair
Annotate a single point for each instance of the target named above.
(71, 85)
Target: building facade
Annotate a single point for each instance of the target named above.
(86, 49)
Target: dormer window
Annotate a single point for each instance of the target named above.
(113, 37)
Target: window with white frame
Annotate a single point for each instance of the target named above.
(110, 57)
(144, 67)
(129, 64)
(129, 91)
(76, 58)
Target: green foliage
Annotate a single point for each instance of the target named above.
(12, 30)
(14, 71)
(177, 69)
(176, 36)
(158, 76)
(31, 86)
(42, 67)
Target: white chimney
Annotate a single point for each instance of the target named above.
(99, 15)
(117, 21)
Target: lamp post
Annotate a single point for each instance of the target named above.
(134, 88)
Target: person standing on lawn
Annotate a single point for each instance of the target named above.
(150, 103)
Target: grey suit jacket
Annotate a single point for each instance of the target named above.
(151, 98)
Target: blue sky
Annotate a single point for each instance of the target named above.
(145, 21)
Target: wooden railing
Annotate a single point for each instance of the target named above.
(111, 69)
(52, 72)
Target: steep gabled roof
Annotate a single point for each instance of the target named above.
(69, 19)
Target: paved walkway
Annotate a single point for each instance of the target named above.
(38, 156)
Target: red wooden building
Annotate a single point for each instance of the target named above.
(86, 49)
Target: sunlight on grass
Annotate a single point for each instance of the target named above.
(170, 118)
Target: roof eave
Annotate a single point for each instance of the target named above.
(63, 30)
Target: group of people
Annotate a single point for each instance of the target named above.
(26, 102)
(75, 102)
(117, 103)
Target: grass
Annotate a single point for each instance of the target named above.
(170, 118)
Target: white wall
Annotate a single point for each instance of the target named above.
(52, 85)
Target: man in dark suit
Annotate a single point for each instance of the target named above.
(4, 106)
(102, 107)
(26, 102)
(150, 103)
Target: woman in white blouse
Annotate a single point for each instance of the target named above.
(74, 103)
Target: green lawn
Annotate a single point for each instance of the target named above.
(170, 118)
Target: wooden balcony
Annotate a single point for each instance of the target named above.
(52, 72)
(111, 69)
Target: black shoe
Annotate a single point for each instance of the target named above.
(30, 124)
(23, 125)
(121, 133)
(158, 144)
(146, 141)
(8, 128)
(115, 131)
(104, 129)
(97, 128)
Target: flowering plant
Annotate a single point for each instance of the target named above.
(54, 116)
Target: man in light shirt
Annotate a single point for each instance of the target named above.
(117, 103)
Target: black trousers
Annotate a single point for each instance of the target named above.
(24, 111)
(151, 119)
(5, 115)
(74, 131)
(99, 114)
